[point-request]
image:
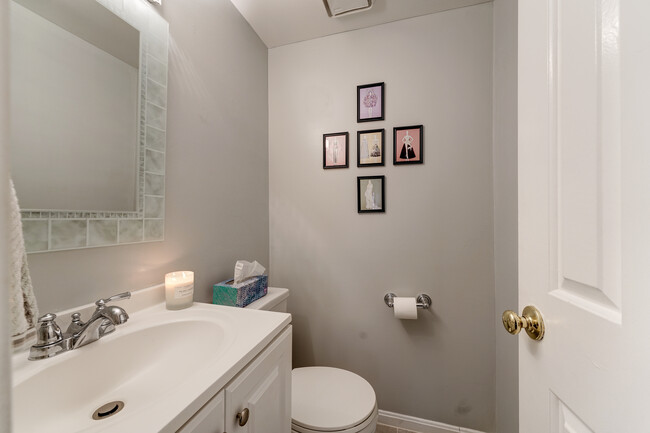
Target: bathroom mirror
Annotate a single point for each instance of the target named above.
(88, 108)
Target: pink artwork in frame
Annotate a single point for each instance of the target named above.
(408, 145)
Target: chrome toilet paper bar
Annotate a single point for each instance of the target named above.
(423, 300)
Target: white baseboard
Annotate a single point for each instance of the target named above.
(419, 424)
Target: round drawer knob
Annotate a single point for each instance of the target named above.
(242, 417)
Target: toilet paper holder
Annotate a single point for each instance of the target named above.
(422, 301)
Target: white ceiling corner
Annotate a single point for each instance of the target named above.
(281, 22)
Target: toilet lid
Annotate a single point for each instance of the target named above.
(329, 399)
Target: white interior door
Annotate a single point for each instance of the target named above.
(584, 212)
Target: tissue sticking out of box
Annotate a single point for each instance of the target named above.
(244, 269)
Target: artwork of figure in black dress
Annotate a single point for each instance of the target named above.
(407, 150)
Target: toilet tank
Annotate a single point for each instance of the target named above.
(275, 300)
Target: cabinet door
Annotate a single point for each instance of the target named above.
(209, 419)
(263, 389)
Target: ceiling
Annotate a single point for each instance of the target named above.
(281, 22)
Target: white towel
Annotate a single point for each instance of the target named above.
(22, 302)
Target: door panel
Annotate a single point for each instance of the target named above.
(564, 420)
(585, 161)
(584, 213)
(263, 403)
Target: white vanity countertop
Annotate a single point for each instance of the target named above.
(160, 393)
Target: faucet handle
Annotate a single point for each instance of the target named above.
(102, 302)
(47, 318)
(48, 332)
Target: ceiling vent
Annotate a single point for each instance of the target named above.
(337, 8)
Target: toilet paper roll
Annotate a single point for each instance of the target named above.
(405, 308)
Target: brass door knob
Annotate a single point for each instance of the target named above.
(242, 417)
(531, 320)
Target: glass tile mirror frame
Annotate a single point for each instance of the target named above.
(52, 230)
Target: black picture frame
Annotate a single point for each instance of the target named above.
(361, 103)
(361, 199)
(417, 151)
(335, 135)
(369, 147)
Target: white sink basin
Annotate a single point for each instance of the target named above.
(164, 365)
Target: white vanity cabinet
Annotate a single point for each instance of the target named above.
(264, 390)
(260, 394)
(209, 419)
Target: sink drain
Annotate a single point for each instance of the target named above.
(108, 410)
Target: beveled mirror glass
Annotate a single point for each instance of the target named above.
(88, 108)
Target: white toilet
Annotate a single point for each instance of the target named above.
(325, 399)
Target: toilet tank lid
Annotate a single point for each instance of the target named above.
(273, 297)
(330, 399)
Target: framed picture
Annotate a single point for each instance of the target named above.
(370, 102)
(370, 194)
(335, 150)
(408, 145)
(370, 147)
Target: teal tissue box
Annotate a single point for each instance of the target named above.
(241, 294)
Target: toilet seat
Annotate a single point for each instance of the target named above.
(326, 399)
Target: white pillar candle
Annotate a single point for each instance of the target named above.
(179, 289)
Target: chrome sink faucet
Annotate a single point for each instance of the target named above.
(50, 341)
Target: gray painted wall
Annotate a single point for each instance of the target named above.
(5, 365)
(217, 168)
(505, 210)
(440, 367)
(436, 236)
